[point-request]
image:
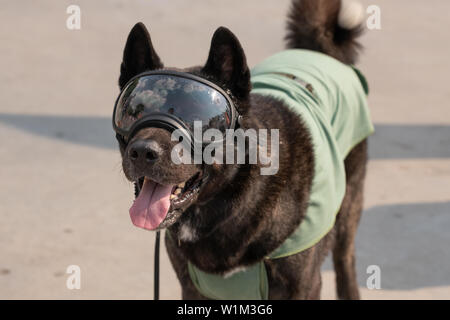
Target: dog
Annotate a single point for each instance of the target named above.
(238, 234)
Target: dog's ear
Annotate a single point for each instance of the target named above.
(227, 63)
(139, 55)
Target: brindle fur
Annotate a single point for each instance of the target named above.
(241, 216)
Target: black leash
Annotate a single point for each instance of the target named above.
(137, 189)
(156, 274)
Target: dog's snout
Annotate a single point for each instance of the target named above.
(149, 154)
(144, 151)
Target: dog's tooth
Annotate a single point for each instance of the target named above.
(181, 185)
(172, 196)
(178, 191)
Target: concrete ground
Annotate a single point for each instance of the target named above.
(64, 200)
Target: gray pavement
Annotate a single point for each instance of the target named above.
(64, 200)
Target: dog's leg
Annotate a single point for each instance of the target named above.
(347, 224)
(179, 263)
(298, 276)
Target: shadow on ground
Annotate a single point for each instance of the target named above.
(405, 241)
(388, 142)
(94, 131)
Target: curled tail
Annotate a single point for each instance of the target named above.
(328, 26)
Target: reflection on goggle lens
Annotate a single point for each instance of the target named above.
(186, 99)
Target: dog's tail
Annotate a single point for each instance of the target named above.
(328, 26)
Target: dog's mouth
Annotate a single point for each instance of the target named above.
(158, 206)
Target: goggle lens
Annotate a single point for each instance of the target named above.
(183, 98)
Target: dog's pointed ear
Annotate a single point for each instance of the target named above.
(139, 55)
(227, 63)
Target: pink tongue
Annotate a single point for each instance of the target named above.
(151, 206)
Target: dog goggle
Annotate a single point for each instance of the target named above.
(172, 100)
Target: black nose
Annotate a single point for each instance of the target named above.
(144, 151)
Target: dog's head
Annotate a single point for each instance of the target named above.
(171, 190)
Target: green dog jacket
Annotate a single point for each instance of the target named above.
(331, 99)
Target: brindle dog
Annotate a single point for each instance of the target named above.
(239, 216)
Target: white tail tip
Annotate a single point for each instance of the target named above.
(351, 14)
